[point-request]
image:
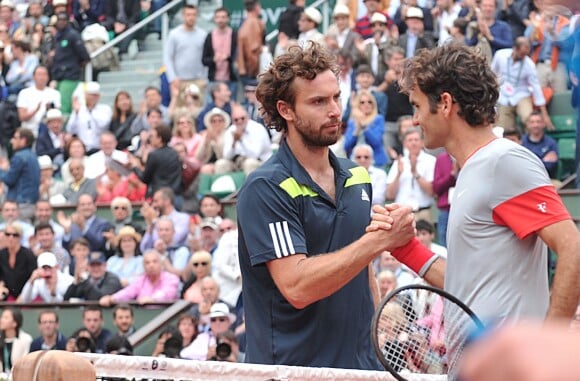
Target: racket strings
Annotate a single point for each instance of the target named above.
(406, 338)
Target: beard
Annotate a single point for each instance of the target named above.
(313, 137)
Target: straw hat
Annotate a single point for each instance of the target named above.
(128, 231)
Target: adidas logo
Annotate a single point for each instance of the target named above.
(364, 196)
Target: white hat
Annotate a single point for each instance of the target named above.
(209, 222)
(220, 310)
(45, 162)
(313, 14)
(341, 9)
(216, 111)
(46, 259)
(498, 131)
(92, 88)
(53, 113)
(193, 89)
(7, 3)
(414, 13)
(378, 17)
(56, 3)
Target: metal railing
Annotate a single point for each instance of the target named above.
(161, 12)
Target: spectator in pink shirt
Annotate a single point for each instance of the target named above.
(155, 285)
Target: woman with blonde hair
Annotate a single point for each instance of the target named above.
(201, 267)
(366, 125)
(184, 131)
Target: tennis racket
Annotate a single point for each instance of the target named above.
(409, 336)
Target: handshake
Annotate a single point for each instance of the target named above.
(394, 227)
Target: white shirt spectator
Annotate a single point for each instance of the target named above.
(39, 289)
(96, 164)
(379, 184)
(226, 267)
(88, 125)
(255, 142)
(30, 97)
(518, 79)
(410, 193)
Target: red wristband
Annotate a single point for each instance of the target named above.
(414, 255)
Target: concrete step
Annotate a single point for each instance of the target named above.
(150, 54)
(127, 77)
(142, 65)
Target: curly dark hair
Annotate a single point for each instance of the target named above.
(276, 83)
(460, 71)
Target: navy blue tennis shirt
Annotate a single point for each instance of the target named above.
(281, 211)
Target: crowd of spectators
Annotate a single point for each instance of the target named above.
(164, 242)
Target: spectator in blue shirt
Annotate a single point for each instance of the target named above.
(22, 175)
(50, 337)
(497, 33)
(542, 145)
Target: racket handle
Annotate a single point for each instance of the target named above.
(414, 254)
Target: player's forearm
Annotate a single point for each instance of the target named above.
(435, 276)
(566, 285)
(310, 279)
(374, 286)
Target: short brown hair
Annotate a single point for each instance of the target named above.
(460, 71)
(276, 83)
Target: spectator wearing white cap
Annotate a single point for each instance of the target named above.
(375, 48)
(51, 140)
(34, 101)
(191, 101)
(220, 321)
(211, 148)
(46, 283)
(416, 38)
(49, 185)
(363, 24)
(308, 24)
(340, 31)
(89, 118)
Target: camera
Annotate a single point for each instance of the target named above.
(84, 344)
(223, 351)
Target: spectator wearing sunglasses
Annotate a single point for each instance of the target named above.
(200, 268)
(203, 347)
(16, 262)
(362, 154)
(366, 125)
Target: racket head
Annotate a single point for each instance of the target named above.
(408, 333)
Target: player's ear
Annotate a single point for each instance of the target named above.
(285, 110)
(446, 102)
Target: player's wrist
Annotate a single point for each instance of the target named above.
(414, 255)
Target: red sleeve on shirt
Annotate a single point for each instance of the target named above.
(531, 211)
